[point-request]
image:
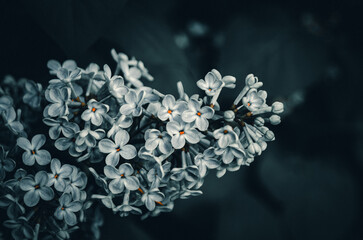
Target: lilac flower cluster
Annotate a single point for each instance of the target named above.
(144, 149)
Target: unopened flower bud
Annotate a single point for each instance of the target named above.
(229, 115)
(254, 149)
(269, 135)
(251, 80)
(277, 107)
(259, 121)
(275, 119)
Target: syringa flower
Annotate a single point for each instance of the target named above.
(132, 74)
(123, 121)
(10, 121)
(156, 139)
(206, 160)
(121, 178)
(211, 83)
(252, 101)
(32, 150)
(230, 152)
(60, 125)
(198, 115)
(95, 112)
(171, 108)
(32, 95)
(89, 137)
(116, 84)
(78, 181)
(69, 141)
(6, 164)
(189, 173)
(225, 136)
(21, 228)
(67, 209)
(58, 99)
(133, 103)
(36, 188)
(18, 176)
(181, 133)
(95, 77)
(13, 208)
(117, 148)
(59, 175)
(55, 66)
(149, 198)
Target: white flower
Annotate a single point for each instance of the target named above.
(32, 150)
(67, 209)
(58, 99)
(117, 148)
(252, 101)
(197, 115)
(59, 175)
(95, 112)
(225, 136)
(156, 139)
(170, 108)
(89, 137)
(36, 188)
(212, 82)
(133, 103)
(121, 178)
(205, 161)
(116, 83)
(181, 133)
(32, 95)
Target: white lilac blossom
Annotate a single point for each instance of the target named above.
(156, 139)
(32, 150)
(32, 97)
(121, 178)
(95, 112)
(67, 209)
(171, 108)
(181, 133)
(198, 115)
(59, 175)
(36, 188)
(10, 120)
(145, 149)
(118, 148)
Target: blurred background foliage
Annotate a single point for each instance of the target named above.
(308, 184)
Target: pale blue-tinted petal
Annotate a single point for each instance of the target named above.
(42, 157)
(74, 206)
(128, 151)
(121, 138)
(28, 158)
(24, 143)
(116, 186)
(46, 193)
(111, 172)
(27, 184)
(106, 146)
(41, 178)
(178, 141)
(31, 198)
(70, 218)
(113, 158)
(62, 144)
(132, 183)
(38, 141)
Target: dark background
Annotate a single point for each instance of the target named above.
(308, 183)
